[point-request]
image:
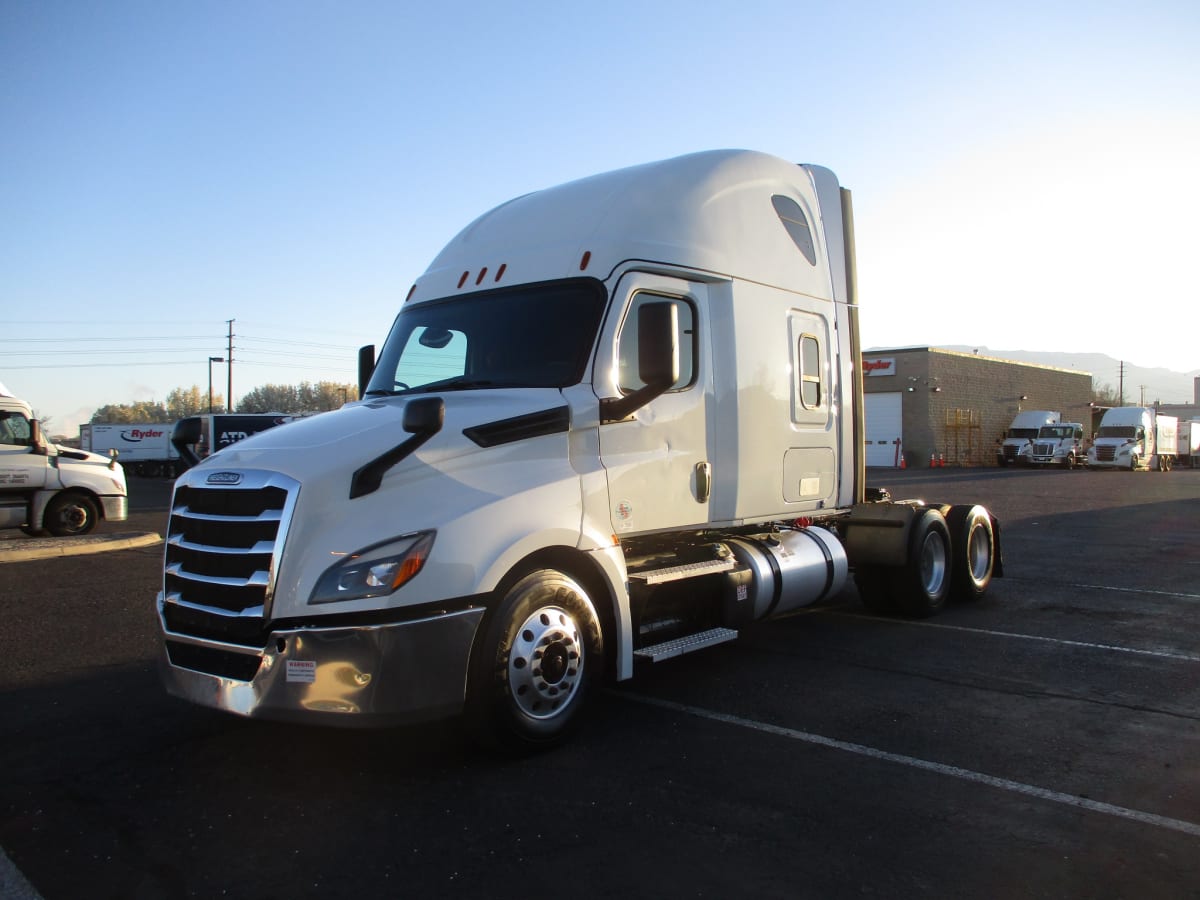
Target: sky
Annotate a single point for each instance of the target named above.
(1025, 175)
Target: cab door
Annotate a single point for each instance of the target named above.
(658, 460)
(21, 469)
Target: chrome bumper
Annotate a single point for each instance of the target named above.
(353, 676)
(116, 509)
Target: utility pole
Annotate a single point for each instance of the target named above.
(1122, 384)
(229, 371)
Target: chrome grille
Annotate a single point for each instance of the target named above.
(222, 552)
(1043, 449)
(1106, 454)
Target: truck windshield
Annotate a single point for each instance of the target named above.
(1022, 432)
(1117, 431)
(1055, 431)
(529, 336)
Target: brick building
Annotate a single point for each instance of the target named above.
(922, 400)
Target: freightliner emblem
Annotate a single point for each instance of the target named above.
(224, 478)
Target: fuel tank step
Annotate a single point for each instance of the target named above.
(688, 570)
(685, 644)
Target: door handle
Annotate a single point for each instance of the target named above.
(703, 481)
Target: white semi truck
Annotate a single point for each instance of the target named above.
(1017, 445)
(614, 421)
(1135, 437)
(1059, 445)
(47, 488)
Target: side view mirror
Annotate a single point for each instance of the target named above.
(36, 441)
(423, 418)
(366, 367)
(658, 360)
(658, 344)
(424, 415)
(184, 436)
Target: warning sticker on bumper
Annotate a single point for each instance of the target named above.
(301, 671)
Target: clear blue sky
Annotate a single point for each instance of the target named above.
(1026, 175)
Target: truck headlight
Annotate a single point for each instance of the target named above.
(374, 571)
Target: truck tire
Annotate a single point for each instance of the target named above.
(70, 514)
(530, 672)
(973, 551)
(924, 581)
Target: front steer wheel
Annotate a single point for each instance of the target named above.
(533, 663)
(68, 515)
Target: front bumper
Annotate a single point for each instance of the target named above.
(350, 676)
(116, 509)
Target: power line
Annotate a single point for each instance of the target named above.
(123, 365)
(84, 340)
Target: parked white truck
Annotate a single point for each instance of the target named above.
(1017, 444)
(1059, 445)
(615, 420)
(1135, 437)
(47, 488)
(144, 448)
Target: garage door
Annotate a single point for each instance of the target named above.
(884, 429)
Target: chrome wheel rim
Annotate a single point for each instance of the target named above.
(545, 664)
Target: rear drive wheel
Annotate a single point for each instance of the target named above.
(924, 580)
(973, 549)
(532, 666)
(70, 514)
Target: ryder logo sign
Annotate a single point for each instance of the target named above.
(875, 367)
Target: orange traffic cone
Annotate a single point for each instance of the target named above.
(903, 463)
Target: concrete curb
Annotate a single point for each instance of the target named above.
(49, 548)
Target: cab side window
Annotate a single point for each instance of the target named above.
(811, 392)
(627, 344)
(14, 429)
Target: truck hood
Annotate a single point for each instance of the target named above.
(341, 441)
(69, 456)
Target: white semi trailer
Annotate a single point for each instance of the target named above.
(614, 421)
(144, 448)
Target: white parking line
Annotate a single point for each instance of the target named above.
(1121, 590)
(1161, 654)
(1003, 784)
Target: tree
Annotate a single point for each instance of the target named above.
(183, 402)
(304, 397)
(141, 411)
(1105, 395)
